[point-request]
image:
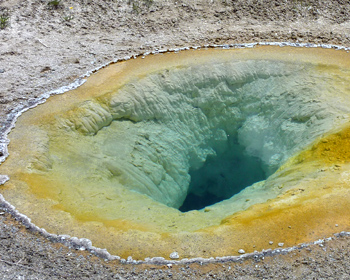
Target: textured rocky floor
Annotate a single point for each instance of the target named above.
(43, 48)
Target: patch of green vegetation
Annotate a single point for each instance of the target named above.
(136, 7)
(148, 3)
(68, 17)
(54, 4)
(139, 5)
(4, 20)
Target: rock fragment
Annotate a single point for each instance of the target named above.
(174, 255)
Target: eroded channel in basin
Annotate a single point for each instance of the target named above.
(114, 160)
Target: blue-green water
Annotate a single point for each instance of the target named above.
(222, 176)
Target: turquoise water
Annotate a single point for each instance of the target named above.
(222, 176)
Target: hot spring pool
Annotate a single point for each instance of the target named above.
(202, 152)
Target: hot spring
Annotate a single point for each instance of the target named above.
(202, 152)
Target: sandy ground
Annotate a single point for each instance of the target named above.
(43, 48)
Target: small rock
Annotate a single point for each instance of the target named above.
(174, 255)
(270, 242)
(241, 251)
(169, 265)
(336, 225)
(2, 71)
(46, 69)
(280, 244)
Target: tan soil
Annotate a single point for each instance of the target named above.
(43, 48)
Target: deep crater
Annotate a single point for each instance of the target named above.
(222, 176)
(201, 152)
(156, 133)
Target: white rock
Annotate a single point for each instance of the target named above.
(241, 251)
(280, 244)
(174, 255)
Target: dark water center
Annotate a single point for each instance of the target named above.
(221, 177)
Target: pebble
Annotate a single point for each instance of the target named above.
(241, 251)
(270, 242)
(174, 255)
(280, 244)
(2, 71)
(336, 225)
(169, 265)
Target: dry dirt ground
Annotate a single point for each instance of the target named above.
(43, 47)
